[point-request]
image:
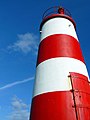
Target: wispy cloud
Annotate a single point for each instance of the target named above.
(20, 110)
(16, 83)
(25, 43)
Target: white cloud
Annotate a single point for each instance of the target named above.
(16, 83)
(25, 43)
(20, 110)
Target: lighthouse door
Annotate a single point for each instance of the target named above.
(81, 95)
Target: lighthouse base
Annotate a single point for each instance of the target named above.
(64, 105)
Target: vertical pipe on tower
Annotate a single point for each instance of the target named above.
(61, 90)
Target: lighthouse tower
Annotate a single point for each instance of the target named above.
(61, 90)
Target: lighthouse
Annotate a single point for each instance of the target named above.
(61, 89)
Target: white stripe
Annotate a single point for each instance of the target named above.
(52, 74)
(58, 26)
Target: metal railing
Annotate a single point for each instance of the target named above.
(54, 10)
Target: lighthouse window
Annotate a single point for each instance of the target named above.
(69, 25)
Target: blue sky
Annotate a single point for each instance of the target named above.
(19, 39)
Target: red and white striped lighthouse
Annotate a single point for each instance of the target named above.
(62, 90)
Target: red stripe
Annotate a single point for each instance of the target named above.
(63, 105)
(59, 45)
(53, 106)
